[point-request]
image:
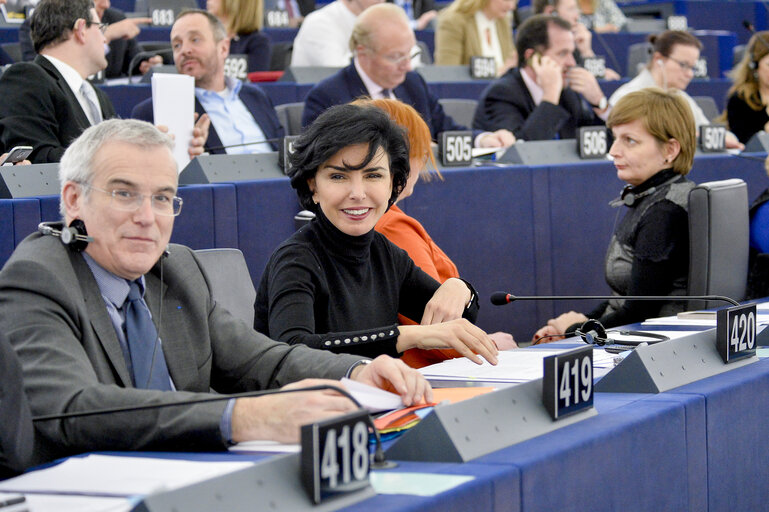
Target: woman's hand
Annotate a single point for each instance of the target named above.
(448, 302)
(546, 334)
(565, 320)
(459, 334)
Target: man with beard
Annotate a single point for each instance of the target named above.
(240, 113)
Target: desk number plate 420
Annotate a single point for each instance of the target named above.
(736, 332)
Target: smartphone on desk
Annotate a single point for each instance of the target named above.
(17, 154)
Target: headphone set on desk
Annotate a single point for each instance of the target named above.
(593, 332)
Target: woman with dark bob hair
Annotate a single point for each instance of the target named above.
(337, 284)
(653, 150)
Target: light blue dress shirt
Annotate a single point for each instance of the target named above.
(232, 119)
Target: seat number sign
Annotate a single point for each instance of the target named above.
(713, 138)
(335, 455)
(736, 332)
(483, 67)
(592, 142)
(456, 148)
(567, 382)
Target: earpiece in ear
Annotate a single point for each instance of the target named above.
(660, 63)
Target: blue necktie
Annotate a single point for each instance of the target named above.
(144, 344)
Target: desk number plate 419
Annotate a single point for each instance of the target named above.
(567, 383)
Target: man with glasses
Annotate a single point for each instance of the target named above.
(382, 43)
(129, 320)
(48, 103)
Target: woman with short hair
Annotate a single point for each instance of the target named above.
(653, 151)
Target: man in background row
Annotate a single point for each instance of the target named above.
(241, 113)
(121, 35)
(548, 96)
(382, 42)
(48, 103)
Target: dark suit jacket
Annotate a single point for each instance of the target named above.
(507, 103)
(346, 85)
(16, 425)
(38, 109)
(252, 97)
(256, 47)
(121, 51)
(56, 320)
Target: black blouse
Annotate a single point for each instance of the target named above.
(343, 293)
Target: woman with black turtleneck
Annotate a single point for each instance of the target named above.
(337, 284)
(653, 150)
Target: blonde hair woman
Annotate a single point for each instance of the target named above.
(244, 20)
(469, 28)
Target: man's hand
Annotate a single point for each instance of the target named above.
(498, 139)
(425, 19)
(394, 375)
(549, 76)
(583, 40)
(21, 162)
(125, 29)
(146, 65)
(199, 136)
(460, 334)
(583, 82)
(280, 417)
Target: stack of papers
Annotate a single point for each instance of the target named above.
(515, 366)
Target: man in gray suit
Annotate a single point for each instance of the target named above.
(117, 323)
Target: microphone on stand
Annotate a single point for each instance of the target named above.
(502, 298)
(379, 460)
(592, 332)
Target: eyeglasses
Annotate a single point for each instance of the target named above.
(398, 60)
(129, 201)
(102, 26)
(684, 65)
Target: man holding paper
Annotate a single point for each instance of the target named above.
(48, 103)
(242, 116)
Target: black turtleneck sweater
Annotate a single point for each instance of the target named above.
(342, 293)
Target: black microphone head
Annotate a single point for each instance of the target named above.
(748, 25)
(501, 298)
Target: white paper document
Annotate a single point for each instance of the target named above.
(514, 366)
(107, 475)
(173, 105)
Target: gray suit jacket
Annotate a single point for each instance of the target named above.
(56, 320)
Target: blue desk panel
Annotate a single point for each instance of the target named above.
(737, 452)
(616, 460)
